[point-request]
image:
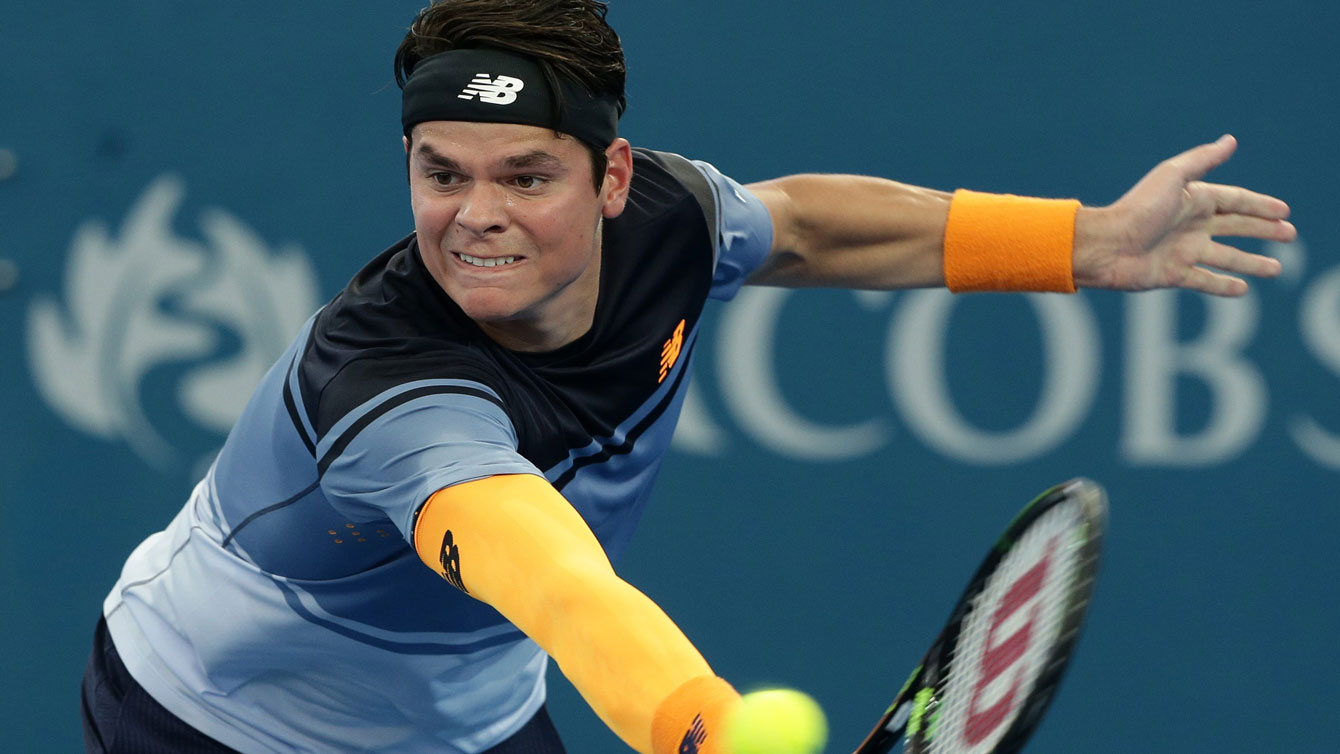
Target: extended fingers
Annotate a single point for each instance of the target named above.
(1213, 283)
(1211, 272)
(1245, 226)
(1238, 200)
(1224, 257)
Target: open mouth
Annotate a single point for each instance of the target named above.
(485, 261)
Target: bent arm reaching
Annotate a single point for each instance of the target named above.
(861, 232)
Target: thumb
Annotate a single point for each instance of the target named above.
(1193, 164)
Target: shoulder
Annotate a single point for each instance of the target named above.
(671, 207)
(666, 179)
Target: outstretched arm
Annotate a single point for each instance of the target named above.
(515, 542)
(861, 232)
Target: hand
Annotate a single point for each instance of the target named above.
(1160, 234)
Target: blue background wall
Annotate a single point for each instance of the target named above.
(179, 183)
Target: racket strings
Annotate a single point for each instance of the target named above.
(1007, 636)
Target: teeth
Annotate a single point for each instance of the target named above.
(486, 262)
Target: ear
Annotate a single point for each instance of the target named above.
(405, 140)
(618, 177)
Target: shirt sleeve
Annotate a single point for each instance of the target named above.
(743, 231)
(389, 455)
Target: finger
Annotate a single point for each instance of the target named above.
(1193, 164)
(1214, 283)
(1244, 226)
(1235, 199)
(1224, 257)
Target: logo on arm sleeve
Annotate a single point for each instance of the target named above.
(450, 558)
(696, 735)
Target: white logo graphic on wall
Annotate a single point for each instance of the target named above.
(153, 325)
(495, 91)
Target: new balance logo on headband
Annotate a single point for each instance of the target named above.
(497, 91)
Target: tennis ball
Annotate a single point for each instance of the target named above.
(777, 721)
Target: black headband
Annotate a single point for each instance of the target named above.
(491, 86)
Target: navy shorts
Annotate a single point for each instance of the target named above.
(121, 718)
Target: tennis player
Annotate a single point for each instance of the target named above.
(420, 504)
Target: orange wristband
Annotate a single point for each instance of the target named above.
(1001, 242)
(694, 715)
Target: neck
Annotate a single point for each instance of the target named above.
(529, 337)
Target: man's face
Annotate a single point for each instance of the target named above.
(508, 223)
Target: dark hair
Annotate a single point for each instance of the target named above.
(569, 39)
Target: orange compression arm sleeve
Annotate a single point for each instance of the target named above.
(1001, 242)
(515, 542)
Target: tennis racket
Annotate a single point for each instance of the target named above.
(987, 680)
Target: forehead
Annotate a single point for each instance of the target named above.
(487, 143)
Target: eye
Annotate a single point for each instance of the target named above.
(443, 179)
(527, 182)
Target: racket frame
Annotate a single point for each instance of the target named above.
(912, 715)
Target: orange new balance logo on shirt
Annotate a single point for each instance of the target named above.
(670, 351)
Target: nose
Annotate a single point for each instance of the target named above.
(483, 209)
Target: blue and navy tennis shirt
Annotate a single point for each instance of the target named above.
(284, 609)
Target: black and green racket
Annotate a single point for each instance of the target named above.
(987, 680)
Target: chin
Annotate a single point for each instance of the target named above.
(487, 308)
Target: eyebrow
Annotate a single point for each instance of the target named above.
(428, 154)
(534, 160)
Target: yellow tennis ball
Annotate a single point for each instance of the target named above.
(777, 721)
